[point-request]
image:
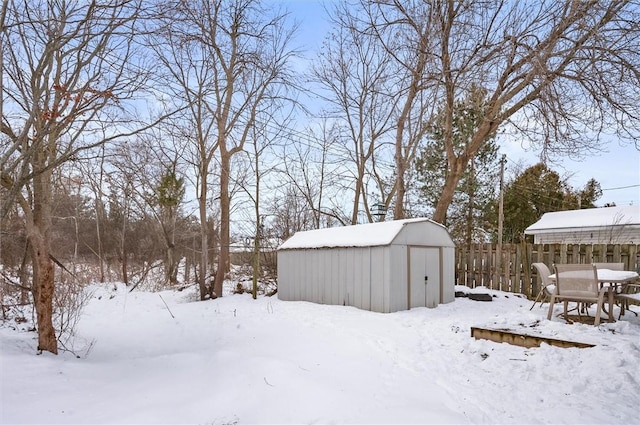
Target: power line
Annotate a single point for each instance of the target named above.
(622, 187)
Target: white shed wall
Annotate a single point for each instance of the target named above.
(374, 278)
(283, 292)
(339, 276)
(398, 278)
(448, 274)
(379, 282)
(424, 234)
(362, 278)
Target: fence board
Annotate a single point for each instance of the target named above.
(477, 264)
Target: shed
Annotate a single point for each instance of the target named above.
(382, 267)
(608, 225)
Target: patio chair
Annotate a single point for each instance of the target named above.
(577, 283)
(547, 287)
(630, 295)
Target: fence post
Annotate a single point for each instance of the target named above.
(526, 268)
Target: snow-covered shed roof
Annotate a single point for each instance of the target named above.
(590, 218)
(359, 235)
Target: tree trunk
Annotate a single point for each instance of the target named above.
(99, 242)
(471, 191)
(450, 184)
(123, 239)
(223, 255)
(43, 286)
(171, 268)
(24, 294)
(171, 251)
(398, 210)
(100, 213)
(187, 271)
(258, 234)
(457, 164)
(38, 233)
(357, 192)
(204, 249)
(170, 261)
(125, 274)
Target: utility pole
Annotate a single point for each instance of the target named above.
(500, 219)
(501, 200)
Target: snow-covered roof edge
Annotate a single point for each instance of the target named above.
(357, 235)
(628, 215)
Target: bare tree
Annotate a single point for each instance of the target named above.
(190, 72)
(93, 170)
(312, 169)
(68, 71)
(153, 164)
(229, 59)
(355, 75)
(251, 185)
(404, 31)
(562, 74)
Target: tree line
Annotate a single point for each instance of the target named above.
(137, 133)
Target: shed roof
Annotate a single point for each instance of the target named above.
(628, 215)
(359, 235)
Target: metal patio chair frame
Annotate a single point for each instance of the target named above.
(548, 286)
(577, 283)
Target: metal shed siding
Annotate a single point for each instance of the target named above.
(322, 275)
(310, 276)
(290, 287)
(350, 273)
(378, 284)
(398, 288)
(302, 276)
(285, 291)
(283, 264)
(374, 278)
(448, 274)
(423, 234)
(345, 273)
(336, 282)
(297, 281)
(387, 279)
(362, 282)
(300, 285)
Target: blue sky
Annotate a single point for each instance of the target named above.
(616, 168)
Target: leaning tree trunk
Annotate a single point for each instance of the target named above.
(448, 190)
(457, 164)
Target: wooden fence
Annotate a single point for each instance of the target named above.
(481, 265)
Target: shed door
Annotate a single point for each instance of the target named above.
(424, 277)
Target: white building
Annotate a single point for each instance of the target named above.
(382, 267)
(609, 225)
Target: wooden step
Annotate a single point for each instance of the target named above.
(522, 340)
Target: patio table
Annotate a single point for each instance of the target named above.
(611, 279)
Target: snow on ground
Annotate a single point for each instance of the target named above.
(236, 360)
